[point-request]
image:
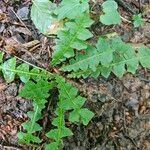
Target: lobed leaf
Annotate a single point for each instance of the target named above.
(31, 126)
(92, 57)
(68, 100)
(36, 91)
(9, 70)
(73, 37)
(113, 55)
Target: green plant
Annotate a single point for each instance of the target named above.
(111, 15)
(38, 82)
(112, 55)
(138, 20)
(68, 100)
(73, 36)
(41, 14)
(38, 92)
(76, 55)
(10, 70)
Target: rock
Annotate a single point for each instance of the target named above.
(23, 13)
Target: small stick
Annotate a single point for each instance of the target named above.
(33, 48)
(21, 21)
(9, 147)
(125, 20)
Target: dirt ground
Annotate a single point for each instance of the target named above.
(121, 106)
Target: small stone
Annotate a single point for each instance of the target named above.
(23, 13)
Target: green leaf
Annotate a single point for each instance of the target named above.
(63, 132)
(119, 70)
(73, 37)
(41, 14)
(66, 132)
(74, 116)
(21, 136)
(71, 101)
(57, 121)
(36, 91)
(28, 126)
(105, 71)
(92, 57)
(144, 57)
(31, 115)
(23, 76)
(112, 55)
(28, 138)
(32, 139)
(79, 45)
(53, 134)
(32, 126)
(36, 71)
(79, 102)
(68, 94)
(1, 56)
(71, 8)
(52, 146)
(132, 63)
(6, 67)
(9, 71)
(111, 15)
(137, 20)
(86, 115)
(84, 34)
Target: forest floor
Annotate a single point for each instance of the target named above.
(121, 106)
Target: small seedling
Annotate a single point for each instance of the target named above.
(111, 16)
(138, 20)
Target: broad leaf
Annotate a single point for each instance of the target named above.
(71, 8)
(86, 115)
(7, 68)
(74, 116)
(111, 15)
(144, 57)
(41, 14)
(23, 68)
(28, 126)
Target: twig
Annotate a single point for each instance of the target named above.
(24, 49)
(21, 21)
(9, 147)
(125, 20)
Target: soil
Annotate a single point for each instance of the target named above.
(121, 106)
